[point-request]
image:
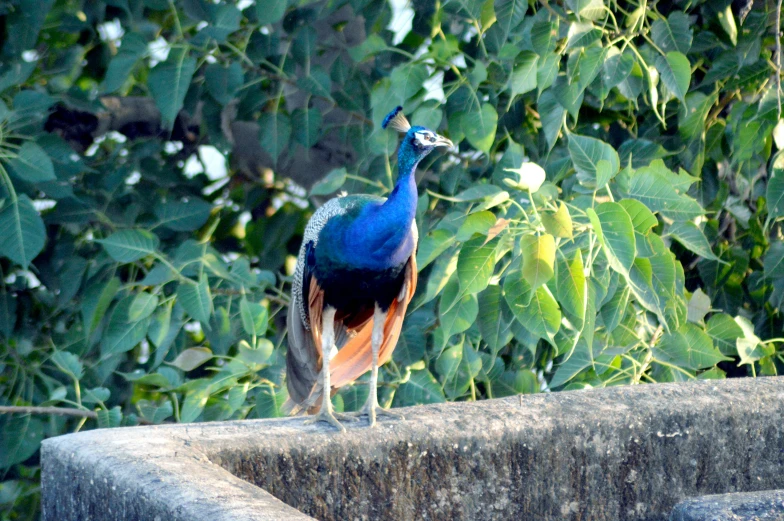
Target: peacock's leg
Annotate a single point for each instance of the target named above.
(328, 351)
(371, 407)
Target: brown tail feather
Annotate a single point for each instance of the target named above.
(356, 357)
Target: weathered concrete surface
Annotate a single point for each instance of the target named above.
(742, 506)
(626, 453)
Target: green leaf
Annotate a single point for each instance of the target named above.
(727, 21)
(121, 333)
(254, 317)
(675, 72)
(22, 232)
(420, 388)
(538, 259)
(192, 358)
(269, 403)
(169, 82)
(775, 190)
(569, 95)
(750, 346)
(674, 33)
(773, 263)
(691, 237)
(536, 310)
(196, 300)
(133, 49)
(331, 182)
(571, 288)
(109, 418)
(460, 316)
(580, 359)
(613, 310)
(480, 127)
(587, 152)
(458, 366)
(31, 164)
(544, 35)
(699, 306)
(522, 381)
(432, 245)
(509, 14)
(96, 301)
(615, 231)
(270, 13)
(475, 264)
(96, 395)
(160, 326)
(183, 216)
(142, 306)
(223, 82)
(20, 438)
(194, 403)
(306, 123)
(237, 395)
(552, 114)
(479, 222)
(616, 68)
(274, 132)
(689, 347)
(523, 78)
(130, 245)
(493, 323)
(582, 34)
(258, 357)
(68, 363)
(558, 223)
(725, 332)
(225, 19)
(642, 218)
(657, 193)
(588, 9)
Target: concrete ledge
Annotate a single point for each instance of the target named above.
(625, 453)
(743, 506)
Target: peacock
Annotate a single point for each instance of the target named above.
(355, 275)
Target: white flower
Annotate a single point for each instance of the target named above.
(530, 177)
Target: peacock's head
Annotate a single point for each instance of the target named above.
(418, 141)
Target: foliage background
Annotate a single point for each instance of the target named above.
(141, 284)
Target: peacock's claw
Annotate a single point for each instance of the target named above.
(374, 410)
(326, 416)
(345, 417)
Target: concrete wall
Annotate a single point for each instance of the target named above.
(627, 453)
(742, 506)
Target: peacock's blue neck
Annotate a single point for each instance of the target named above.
(381, 234)
(402, 201)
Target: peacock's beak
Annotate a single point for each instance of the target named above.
(442, 141)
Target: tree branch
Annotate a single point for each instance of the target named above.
(60, 411)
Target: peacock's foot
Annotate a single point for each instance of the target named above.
(372, 410)
(327, 416)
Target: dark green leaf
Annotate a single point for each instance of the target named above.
(31, 164)
(674, 33)
(183, 216)
(169, 82)
(274, 133)
(480, 126)
(196, 300)
(130, 245)
(22, 232)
